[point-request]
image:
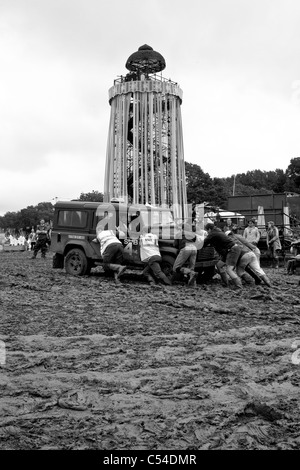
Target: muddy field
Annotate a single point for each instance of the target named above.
(86, 364)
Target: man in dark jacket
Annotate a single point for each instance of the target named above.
(42, 239)
(229, 250)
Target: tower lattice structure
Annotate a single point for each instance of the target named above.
(145, 156)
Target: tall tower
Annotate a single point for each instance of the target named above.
(145, 159)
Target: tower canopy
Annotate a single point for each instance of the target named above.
(145, 60)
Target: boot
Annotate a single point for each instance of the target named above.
(266, 280)
(225, 280)
(250, 271)
(150, 279)
(175, 277)
(121, 270)
(237, 283)
(246, 278)
(118, 270)
(165, 279)
(192, 279)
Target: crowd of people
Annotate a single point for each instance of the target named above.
(239, 255)
(35, 240)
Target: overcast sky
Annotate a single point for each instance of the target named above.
(237, 62)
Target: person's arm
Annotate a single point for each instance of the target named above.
(190, 236)
(207, 240)
(245, 242)
(176, 243)
(257, 235)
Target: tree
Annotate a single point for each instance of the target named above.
(293, 175)
(198, 183)
(277, 180)
(95, 196)
(28, 217)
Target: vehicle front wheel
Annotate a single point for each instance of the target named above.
(76, 263)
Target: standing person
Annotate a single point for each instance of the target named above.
(185, 242)
(150, 255)
(49, 233)
(32, 239)
(229, 251)
(273, 243)
(246, 241)
(295, 261)
(111, 250)
(228, 225)
(41, 240)
(251, 233)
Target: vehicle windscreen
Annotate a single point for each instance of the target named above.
(156, 217)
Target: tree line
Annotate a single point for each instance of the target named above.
(200, 188)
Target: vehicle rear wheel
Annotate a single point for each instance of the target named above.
(76, 263)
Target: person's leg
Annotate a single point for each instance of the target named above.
(291, 266)
(181, 259)
(186, 255)
(256, 251)
(108, 264)
(147, 274)
(43, 248)
(192, 262)
(221, 270)
(276, 259)
(248, 264)
(118, 254)
(36, 250)
(117, 260)
(231, 262)
(193, 257)
(157, 272)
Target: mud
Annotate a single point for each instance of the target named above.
(86, 364)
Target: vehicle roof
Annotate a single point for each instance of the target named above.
(105, 205)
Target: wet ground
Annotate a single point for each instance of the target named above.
(86, 364)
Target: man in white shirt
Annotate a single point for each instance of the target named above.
(111, 250)
(150, 255)
(251, 233)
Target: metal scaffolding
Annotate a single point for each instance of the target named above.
(145, 158)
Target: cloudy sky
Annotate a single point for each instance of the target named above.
(237, 62)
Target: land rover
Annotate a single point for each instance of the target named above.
(76, 248)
